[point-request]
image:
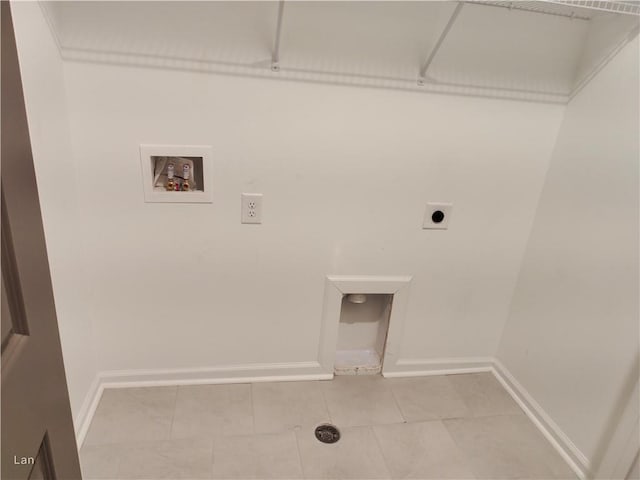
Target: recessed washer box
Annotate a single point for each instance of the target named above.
(157, 160)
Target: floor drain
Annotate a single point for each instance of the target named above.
(327, 433)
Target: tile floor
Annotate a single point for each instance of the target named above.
(440, 427)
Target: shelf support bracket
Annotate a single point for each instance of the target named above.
(425, 66)
(275, 56)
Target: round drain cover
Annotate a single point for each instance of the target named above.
(327, 433)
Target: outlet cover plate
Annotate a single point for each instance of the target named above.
(251, 208)
(437, 216)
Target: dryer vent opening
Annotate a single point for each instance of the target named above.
(362, 333)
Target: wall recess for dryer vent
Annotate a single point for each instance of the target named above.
(177, 173)
(437, 216)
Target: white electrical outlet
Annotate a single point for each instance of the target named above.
(437, 216)
(251, 208)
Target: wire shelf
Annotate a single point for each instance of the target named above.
(418, 49)
(575, 9)
(543, 7)
(621, 7)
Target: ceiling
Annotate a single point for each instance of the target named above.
(540, 51)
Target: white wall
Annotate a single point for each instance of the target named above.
(44, 90)
(345, 174)
(572, 335)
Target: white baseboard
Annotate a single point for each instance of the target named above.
(439, 366)
(251, 373)
(259, 372)
(88, 409)
(278, 372)
(578, 462)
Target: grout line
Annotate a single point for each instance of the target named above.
(118, 463)
(253, 410)
(173, 416)
(295, 435)
(377, 440)
(213, 454)
(461, 397)
(326, 404)
(395, 399)
(463, 456)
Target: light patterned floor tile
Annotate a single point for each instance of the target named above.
(132, 414)
(365, 400)
(428, 398)
(506, 446)
(284, 406)
(355, 456)
(100, 461)
(421, 451)
(267, 456)
(208, 431)
(484, 395)
(170, 459)
(212, 410)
